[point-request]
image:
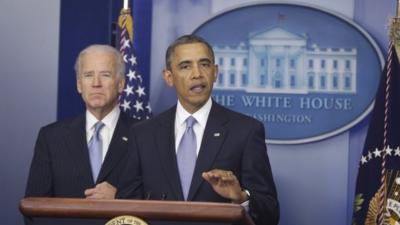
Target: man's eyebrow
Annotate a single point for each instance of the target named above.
(105, 71)
(205, 60)
(184, 62)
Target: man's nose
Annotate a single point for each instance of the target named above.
(96, 81)
(196, 73)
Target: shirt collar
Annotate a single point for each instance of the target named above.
(110, 120)
(200, 115)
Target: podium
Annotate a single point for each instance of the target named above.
(148, 210)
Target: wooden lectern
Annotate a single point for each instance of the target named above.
(147, 210)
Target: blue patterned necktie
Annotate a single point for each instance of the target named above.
(186, 156)
(96, 150)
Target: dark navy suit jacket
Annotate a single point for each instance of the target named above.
(231, 141)
(61, 167)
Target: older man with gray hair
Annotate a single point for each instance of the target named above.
(83, 157)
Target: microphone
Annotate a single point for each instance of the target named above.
(148, 195)
(163, 196)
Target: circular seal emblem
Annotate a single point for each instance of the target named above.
(126, 220)
(305, 72)
(392, 203)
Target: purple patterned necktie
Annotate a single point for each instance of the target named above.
(96, 150)
(186, 156)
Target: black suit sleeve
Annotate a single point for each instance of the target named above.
(131, 179)
(257, 179)
(40, 177)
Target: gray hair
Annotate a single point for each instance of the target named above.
(119, 60)
(186, 39)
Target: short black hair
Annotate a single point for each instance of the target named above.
(186, 39)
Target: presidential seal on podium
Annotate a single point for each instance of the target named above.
(126, 220)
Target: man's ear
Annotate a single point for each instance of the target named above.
(121, 84)
(78, 85)
(215, 72)
(167, 75)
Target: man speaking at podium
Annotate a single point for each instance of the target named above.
(198, 150)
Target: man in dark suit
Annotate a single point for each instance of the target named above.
(83, 157)
(199, 150)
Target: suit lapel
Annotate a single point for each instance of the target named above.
(165, 140)
(213, 138)
(77, 146)
(117, 147)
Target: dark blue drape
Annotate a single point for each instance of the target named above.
(90, 22)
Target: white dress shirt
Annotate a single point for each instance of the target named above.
(201, 117)
(106, 133)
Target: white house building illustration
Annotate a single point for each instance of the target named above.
(278, 61)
